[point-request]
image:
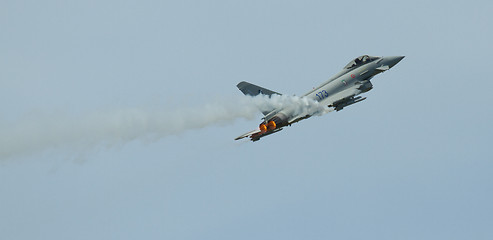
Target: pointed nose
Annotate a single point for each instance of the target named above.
(393, 60)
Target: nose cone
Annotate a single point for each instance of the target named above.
(393, 60)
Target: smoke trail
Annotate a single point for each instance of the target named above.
(108, 128)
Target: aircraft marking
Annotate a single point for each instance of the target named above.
(322, 94)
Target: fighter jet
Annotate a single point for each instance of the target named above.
(340, 91)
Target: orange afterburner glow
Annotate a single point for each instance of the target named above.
(271, 125)
(262, 128)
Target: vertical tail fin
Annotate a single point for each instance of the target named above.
(254, 90)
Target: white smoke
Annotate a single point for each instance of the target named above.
(39, 133)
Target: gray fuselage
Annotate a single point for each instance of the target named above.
(341, 88)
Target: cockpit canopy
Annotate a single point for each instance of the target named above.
(360, 61)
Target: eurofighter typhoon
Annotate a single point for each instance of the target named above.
(340, 91)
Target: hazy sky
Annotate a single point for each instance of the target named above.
(91, 91)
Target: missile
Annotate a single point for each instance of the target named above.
(341, 105)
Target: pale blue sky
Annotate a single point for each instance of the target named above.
(413, 161)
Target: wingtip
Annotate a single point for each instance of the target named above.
(240, 84)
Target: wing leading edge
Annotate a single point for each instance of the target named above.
(255, 135)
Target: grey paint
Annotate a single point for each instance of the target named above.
(339, 91)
